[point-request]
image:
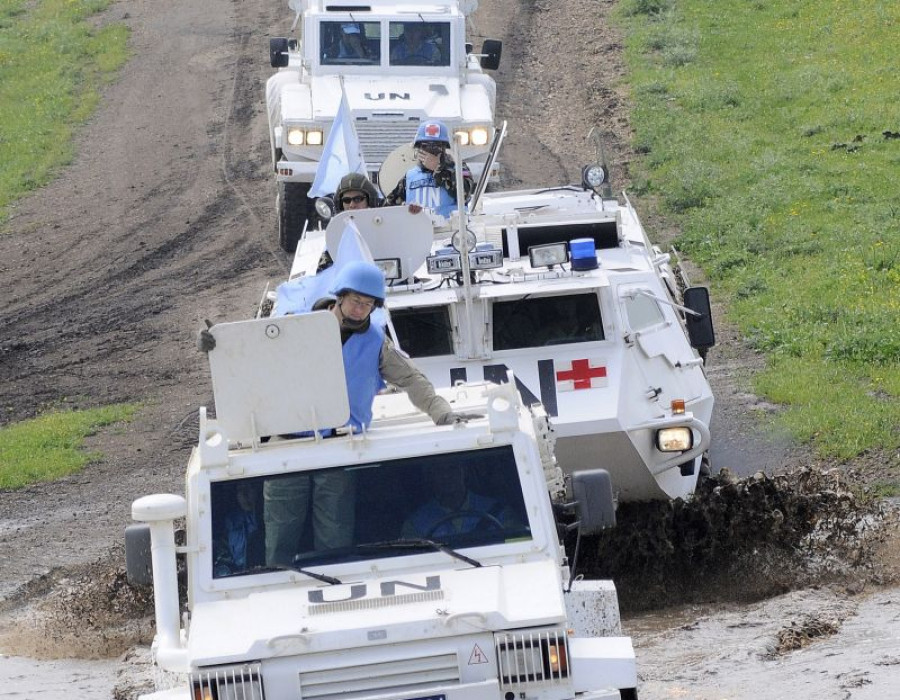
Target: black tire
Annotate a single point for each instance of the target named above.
(294, 209)
(628, 693)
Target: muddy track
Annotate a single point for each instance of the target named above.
(167, 217)
(98, 297)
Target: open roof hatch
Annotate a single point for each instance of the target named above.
(273, 376)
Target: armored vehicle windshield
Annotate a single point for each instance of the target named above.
(365, 511)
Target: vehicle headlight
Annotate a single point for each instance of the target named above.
(299, 136)
(592, 176)
(532, 657)
(227, 683)
(479, 136)
(296, 136)
(674, 439)
(475, 136)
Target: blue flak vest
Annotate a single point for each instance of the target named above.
(362, 355)
(422, 189)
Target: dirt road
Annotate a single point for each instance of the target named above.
(167, 218)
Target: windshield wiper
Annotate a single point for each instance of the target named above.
(264, 569)
(419, 543)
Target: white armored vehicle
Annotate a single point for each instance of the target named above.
(397, 63)
(562, 286)
(382, 594)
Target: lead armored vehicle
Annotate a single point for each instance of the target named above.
(397, 63)
(562, 286)
(385, 591)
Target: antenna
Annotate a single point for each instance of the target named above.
(499, 135)
(464, 245)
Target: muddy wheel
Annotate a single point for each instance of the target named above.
(704, 473)
(294, 209)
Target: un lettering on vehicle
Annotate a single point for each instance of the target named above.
(390, 96)
(384, 589)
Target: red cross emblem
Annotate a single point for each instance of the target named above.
(580, 374)
(432, 130)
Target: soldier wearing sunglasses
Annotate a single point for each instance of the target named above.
(431, 183)
(355, 191)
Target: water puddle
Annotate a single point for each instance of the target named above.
(29, 679)
(732, 652)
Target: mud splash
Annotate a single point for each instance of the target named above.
(90, 612)
(744, 540)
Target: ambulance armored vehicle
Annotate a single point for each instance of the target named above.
(386, 592)
(562, 286)
(397, 63)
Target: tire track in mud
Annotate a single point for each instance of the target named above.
(142, 280)
(246, 93)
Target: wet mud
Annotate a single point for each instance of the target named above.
(90, 609)
(849, 648)
(746, 539)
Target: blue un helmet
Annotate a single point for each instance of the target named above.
(432, 132)
(361, 277)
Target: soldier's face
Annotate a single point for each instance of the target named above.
(354, 199)
(356, 307)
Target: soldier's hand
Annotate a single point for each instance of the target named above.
(466, 417)
(452, 418)
(205, 340)
(429, 161)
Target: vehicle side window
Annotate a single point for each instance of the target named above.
(642, 312)
(532, 322)
(423, 332)
(238, 531)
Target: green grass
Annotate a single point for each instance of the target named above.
(49, 447)
(770, 132)
(53, 63)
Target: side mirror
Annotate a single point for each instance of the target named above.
(595, 506)
(699, 328)
(469, 47)
(278, 52)
(138, 564)
(492, 48)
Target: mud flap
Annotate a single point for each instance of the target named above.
(138, 566)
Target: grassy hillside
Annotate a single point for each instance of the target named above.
(771, 133)
(53, 61)
(49, 447)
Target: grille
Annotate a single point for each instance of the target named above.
(228, 683)
(406, 677)
(378, 138)
(538, 656)
(373, 603)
